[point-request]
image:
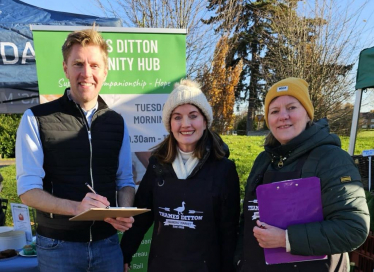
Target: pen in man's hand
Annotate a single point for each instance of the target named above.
(92, 190)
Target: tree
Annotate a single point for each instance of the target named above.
(249, 23)
(8, 132)
(341, 119)
(317, 47)
(240, 123)
(181, 14)
(219, 86)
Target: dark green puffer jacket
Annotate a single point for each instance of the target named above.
(346, 217)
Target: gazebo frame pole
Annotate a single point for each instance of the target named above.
(355, 117)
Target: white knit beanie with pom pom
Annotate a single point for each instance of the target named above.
(186, 92)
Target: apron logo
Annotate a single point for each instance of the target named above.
(180, 220)
(180, 210)
(252, 208)
(255, 215)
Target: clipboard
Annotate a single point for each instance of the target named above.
(98, 214)
(290, 202)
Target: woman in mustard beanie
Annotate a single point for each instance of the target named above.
(193, 191)
(295, 148)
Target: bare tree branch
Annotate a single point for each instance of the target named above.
(319, 43)
(180, 14)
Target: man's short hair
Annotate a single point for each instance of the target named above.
(85, 37)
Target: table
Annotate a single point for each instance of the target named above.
(19, 264)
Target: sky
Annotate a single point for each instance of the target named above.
(88, 7)
(366, 19)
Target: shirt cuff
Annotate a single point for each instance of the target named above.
(288, 246)
(125, 183)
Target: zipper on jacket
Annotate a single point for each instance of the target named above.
(280, 163)
(282, 159)
(93, 222)
(89, 141)
(51, 214)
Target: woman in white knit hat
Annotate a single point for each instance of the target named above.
(192, 189)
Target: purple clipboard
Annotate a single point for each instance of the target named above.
(286, 203)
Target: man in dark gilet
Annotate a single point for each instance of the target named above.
(62, 146)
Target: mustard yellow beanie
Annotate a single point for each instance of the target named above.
(291, 86)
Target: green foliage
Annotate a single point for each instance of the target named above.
(9, 190)
(8, 129)
(242, 126)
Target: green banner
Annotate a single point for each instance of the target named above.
(140, 258)
(139, 63)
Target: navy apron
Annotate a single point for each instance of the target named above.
(253, 255)
(184, 236)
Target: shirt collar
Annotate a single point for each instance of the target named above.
(87, 113)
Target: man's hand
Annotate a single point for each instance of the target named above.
(92, 200)
(120, 223)
(269, 236)
(44, 201)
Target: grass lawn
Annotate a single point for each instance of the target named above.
(243, 151)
